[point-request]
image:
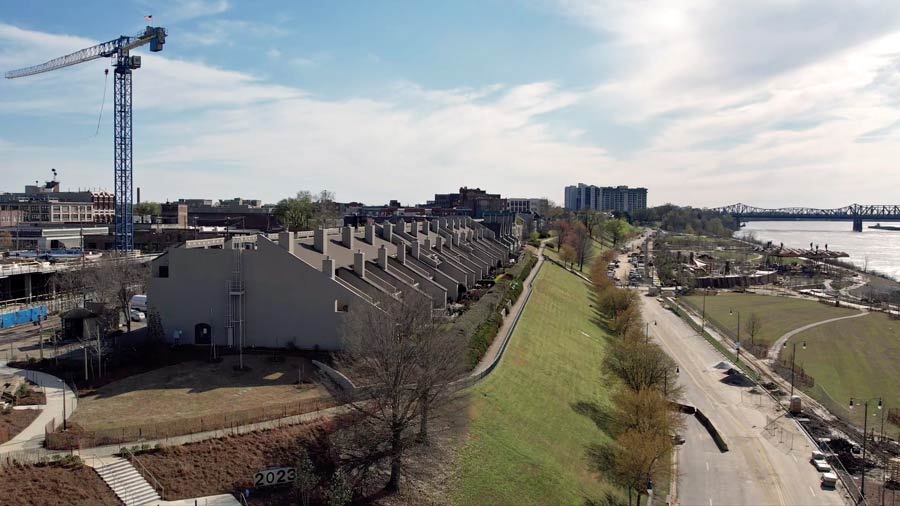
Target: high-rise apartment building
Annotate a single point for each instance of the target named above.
(605, 198)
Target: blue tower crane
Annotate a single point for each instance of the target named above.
(122, 134)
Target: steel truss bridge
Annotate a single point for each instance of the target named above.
(854, 212)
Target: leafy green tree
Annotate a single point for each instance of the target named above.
(147, 208)
(294, 213)
(615, 230)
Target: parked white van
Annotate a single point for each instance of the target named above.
(139, 302)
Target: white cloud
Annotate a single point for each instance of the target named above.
(230, 32)
(200, 129)
(174, 11)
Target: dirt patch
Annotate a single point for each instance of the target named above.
(12, 422)
(33, 397)
(50, 485)
(197, 389)
(227, 465)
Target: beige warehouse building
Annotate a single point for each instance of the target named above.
(294, 289)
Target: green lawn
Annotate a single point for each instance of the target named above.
(856, 357)
(527, 441)
(778, 315)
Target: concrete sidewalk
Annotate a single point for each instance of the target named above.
(32, 437)
(510, 319)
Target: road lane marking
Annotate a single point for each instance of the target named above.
(795, 458)
(585, 334)
(812, 492)
(710, 501)
(707, 467)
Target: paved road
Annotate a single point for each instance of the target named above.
(763, 467)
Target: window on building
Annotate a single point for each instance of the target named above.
(163, 271)
(340, 307)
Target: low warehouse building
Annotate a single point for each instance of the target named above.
(294, 289)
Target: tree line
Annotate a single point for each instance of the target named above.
(644, 421)
(688, 220)
(577, 234)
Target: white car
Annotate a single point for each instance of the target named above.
(822, 466)
(137, 316)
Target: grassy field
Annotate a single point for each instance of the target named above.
(856, 357)
(778, 315)
(194, 389)
(530, 433)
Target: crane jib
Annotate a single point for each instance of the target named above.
(155, 36)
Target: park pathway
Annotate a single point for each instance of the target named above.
(491, 355)
(775, 349)
(32, 437)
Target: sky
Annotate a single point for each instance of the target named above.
(704, 102)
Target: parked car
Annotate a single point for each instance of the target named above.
(822, 466)
(137, 316)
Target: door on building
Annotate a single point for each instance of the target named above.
(202, 333)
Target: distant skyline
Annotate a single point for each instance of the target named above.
(703, 102)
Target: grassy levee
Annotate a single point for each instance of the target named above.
(857, 357)
(597, 248)
(528, 442)
(778, 315)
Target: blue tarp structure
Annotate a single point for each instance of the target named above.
(23, 316)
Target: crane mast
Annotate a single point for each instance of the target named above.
(123, 168)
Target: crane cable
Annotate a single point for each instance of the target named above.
(103, 102)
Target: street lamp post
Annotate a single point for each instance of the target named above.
(732, 311)
(793, 355)
(865, 403)
(703, 316)
(647, 329)
(666, 381)
(64, 402)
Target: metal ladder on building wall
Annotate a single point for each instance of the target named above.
(235, 304)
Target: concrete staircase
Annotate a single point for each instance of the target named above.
(129, 486)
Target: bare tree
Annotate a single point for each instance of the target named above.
(754, 326)
(114, 280)
(405, 364)
(641, 365)
(638, 457)
(582, 243)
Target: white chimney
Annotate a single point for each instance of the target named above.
(401, 252)
(359, 263)
(370, 233)
(347, 237)
(286, 241)
(328, 266)
(382, 257)
(415, 249)
(320, 240)
(387, 230)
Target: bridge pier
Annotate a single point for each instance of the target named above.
(857, 225)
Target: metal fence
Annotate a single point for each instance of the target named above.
(79, 438)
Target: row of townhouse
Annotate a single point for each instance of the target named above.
(294, 289)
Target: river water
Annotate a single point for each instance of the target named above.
(881, 247)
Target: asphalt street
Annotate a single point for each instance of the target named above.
(767, 463)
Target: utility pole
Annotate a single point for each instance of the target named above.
(862, 487)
